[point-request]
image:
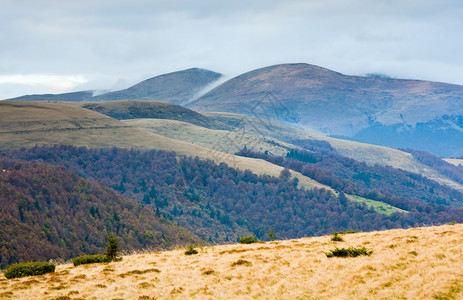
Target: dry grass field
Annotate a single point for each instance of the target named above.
(417, 263)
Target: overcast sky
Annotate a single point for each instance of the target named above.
(53, 46)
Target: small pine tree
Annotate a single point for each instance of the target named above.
(190, 249)
(271, 235)
(113, 247)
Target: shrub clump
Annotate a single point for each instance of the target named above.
(349, 252)
(347, 232)
(336, 237)
(90, 259)
(190, 249)
(112, 250)
(241, 262)
(29, 269)
(247, 239)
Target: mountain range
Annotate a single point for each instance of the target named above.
(377, 110)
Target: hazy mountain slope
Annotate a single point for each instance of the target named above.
(136, 109)
(342, 105)
(48, 212)
(74, 96)
(177, 87)
(405, 264)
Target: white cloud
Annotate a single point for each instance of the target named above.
(54, 83)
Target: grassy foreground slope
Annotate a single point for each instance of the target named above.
(417, 263)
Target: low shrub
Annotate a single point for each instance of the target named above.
(347, 232)
(241, 262)
(336, 237)
(190, 249)
(90, 259)
(349, 252)
(247, 239)
(29, 269)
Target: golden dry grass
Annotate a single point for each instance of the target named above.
(418, 263)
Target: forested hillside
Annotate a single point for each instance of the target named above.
(220, 203)
(377, 182)
(49, 212)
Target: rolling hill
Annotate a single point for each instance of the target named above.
(136, 109)
(230, 133)
(370, 154)
(74, 96)
(27, 124)
(393, 112)
(417, 263)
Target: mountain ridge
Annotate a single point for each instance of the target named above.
(342, 105)
(177, 87)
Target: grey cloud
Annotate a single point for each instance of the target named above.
(109, 40)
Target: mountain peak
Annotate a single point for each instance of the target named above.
(176, 87)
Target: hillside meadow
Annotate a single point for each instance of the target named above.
(417, 263)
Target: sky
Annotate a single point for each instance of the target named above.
(53, 46)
